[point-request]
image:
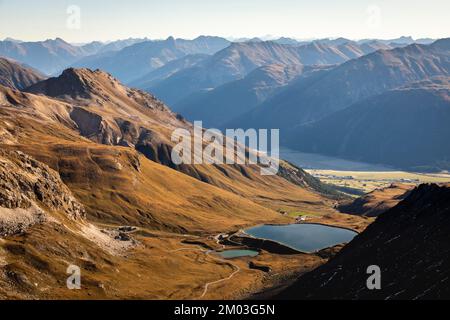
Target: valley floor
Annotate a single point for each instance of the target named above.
(186, 267)
(158, 265)
(367, 181)
(357, 177)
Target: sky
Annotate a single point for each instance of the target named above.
(86, 20)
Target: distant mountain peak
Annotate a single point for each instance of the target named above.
(203, 37)
(13, 40)
(56, 40)
(404, 38)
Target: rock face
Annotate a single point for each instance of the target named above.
(28, 188)
(411, 245)
(105, 111)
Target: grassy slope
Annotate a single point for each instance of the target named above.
(167, 199)
(120, 187)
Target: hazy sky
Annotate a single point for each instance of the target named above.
(109, 19)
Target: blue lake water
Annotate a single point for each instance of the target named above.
(230, 254)
(322, 162)
(303, 237)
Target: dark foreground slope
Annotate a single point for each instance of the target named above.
(411, 245)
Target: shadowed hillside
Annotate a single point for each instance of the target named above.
(218, 106)
(16, 76)
(406, 128)
(313, 99)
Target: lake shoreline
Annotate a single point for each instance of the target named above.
(279, 247)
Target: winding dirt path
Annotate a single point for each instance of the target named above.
(208, 253)
(238, 269)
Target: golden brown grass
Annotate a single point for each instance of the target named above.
(118, 186)
(369, 181)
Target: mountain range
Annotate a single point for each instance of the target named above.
(170, 68)
(354, 99)
(357, 79)
(239, 59)
(98, 47)
(404, 127)
(300, 88)
(48, 56)
(224, 103)
(137, 60)
(85, 160)
(303, 89)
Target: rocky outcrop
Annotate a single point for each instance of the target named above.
(105, 111)
(28, 189)
(94, 127)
